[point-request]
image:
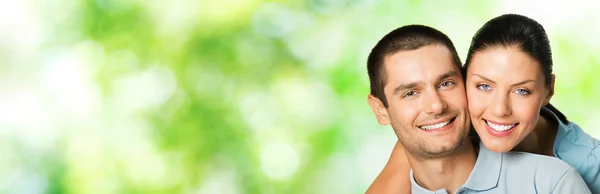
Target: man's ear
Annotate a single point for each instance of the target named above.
(379, 109)
(550, 90)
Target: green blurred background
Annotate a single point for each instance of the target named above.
(230, 96)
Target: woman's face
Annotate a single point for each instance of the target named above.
(505, 91)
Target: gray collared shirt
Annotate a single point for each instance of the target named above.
(516, 172)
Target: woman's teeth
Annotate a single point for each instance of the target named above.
(435, 126)
(500, 127)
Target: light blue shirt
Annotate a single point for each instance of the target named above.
(580, 150)
(516, 172)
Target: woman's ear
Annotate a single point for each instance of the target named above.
(550, 91)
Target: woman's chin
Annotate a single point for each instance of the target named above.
(499, 147)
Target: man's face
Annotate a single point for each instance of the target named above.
(427, 102)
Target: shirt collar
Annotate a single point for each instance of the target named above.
(417, 189)
(486, 173)
(484, 176)
(563, 130)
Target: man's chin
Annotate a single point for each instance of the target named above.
(439, 152)
(443, 150)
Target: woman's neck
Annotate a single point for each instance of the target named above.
(541, 139)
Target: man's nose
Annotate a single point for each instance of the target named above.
(433, 103)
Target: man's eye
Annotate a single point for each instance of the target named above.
(446, 84)
(408, 94)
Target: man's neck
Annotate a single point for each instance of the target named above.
(447, 172)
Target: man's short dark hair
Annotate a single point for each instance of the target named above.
(405, 38)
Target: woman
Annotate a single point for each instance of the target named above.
(509, 84)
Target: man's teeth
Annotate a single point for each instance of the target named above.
(500, 127)
(435, 126)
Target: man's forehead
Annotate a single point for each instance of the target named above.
(421, 65)
(420, 78)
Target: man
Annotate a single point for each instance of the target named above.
(418, 89)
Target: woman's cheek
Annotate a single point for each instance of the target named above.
(476, 103)
(527, 110)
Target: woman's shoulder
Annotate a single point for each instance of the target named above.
(571, 138)
(572, 143)
(580, 150)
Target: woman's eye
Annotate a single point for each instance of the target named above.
(522, 92)
(484, 87)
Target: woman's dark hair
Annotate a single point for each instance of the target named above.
(512, 30)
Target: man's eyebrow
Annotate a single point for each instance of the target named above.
(512, 85)
(415, 84)
(448, 74)
(405, 86)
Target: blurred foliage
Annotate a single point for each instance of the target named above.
(233, 96)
